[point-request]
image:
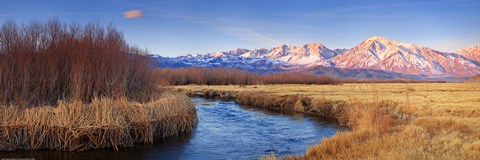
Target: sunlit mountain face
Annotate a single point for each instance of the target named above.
(375, 57)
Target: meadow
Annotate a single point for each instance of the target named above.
(386, 120)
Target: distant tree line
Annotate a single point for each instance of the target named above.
(222, 76)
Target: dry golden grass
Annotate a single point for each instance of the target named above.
(386, 121)
(461, 100)
(103, 123)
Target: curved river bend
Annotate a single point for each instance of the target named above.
(226, 130)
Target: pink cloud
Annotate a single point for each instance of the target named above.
(133, 14)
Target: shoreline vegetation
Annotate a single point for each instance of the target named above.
(386, 120)
(73, 87)
(102, 123)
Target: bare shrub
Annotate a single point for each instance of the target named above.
(42, 63)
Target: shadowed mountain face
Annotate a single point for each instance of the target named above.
(474, 79)
(376, 57)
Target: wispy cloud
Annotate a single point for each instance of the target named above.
(243, 29)
(339, 11)
(248, 35)
(251, 30)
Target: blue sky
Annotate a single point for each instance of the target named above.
(178, 27)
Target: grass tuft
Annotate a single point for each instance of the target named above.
(103, 123)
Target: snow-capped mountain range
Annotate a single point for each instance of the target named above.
(378, 56)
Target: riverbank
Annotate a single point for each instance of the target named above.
(102, 123)
(225, 130)
(387, 121)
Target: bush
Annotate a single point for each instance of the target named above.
(44, 62)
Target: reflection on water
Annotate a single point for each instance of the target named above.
(225, 130)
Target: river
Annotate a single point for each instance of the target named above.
(225, 130)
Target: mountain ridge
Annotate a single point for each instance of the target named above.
(471, 52)
(374, 53)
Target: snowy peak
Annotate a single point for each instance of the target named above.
(380, 53)
(472, 53)
(381, 43)
(308, 54)
(318, 49)
(475, 49)
(378, 39)
(236, 52)
(385, 42)
(374, 53)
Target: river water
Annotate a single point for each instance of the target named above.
(226, 130)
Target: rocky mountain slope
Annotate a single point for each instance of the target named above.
(380, 53)
(376, 57)
(473, 53)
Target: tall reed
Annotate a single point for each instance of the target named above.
(103, 123)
